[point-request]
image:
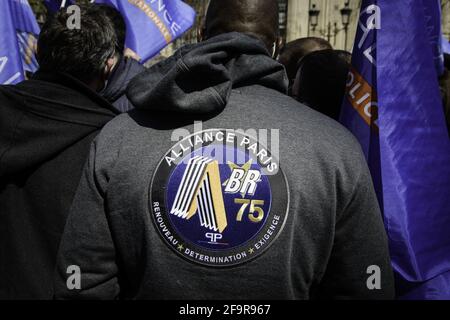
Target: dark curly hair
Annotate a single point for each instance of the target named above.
(81, 53)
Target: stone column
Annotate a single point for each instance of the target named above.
(446, 18)
(297, 19)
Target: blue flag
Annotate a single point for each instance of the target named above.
(394, 108)
(151, 24)
(432, 16)
(18, 32)
(54, 5)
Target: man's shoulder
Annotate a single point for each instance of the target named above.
(301, 123)
(124, 128)
(116, 127)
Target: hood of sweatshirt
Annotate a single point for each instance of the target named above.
(198, 79)
(41, 117)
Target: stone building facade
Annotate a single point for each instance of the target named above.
(445, 4)
(329, 21)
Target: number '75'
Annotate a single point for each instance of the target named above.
(256, 213)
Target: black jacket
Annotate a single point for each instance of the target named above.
(46, 127)
(132, 239)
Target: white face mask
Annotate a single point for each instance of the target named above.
(109, 71)
(274, 50)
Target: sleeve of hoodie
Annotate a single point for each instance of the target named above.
(87, 244)
(359, 266)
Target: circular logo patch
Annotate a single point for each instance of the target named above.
(219, 198)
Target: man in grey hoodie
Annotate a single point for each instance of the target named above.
(167, 210)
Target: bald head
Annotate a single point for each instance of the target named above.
(254, 17)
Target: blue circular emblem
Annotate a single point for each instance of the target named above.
(219, 198)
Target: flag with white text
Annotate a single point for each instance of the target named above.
(393, 106)
(151, 24)
(18, 39)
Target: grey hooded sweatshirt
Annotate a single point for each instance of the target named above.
(161, 214)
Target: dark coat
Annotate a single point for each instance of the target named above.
(46, 127)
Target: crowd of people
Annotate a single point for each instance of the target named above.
(81, 145)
